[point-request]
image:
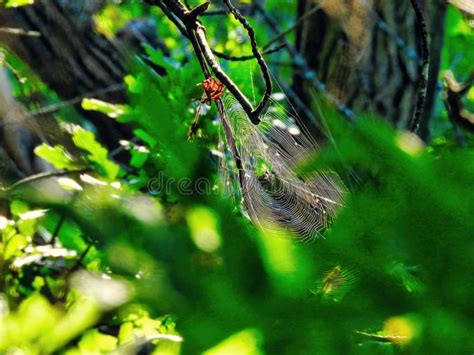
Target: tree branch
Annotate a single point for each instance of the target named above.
(306, 72)
(247, 57)
(171, 16)
(256, 52)
(175, 10)
(40, 176)
(425, 58)
(277, 38)
(453, 96)
(222, 76)
(298, 22)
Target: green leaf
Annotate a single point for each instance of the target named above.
(111, 110)
(69, 184)
(161, 114)
(202, 223)
(18, 3)
(126, 333)
(34, 318)
(57, 156)
(97, 153)
(14, 246)
(18, 207)
(245, 342)
(140, 155)
(95, 342)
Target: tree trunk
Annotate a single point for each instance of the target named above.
(73, 60)
(367, 54)
(68, 55)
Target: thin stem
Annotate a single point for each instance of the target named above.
(437, 34)
(171, 16)
(298, 22)
(256, 52)
(79, 261)
(247, 57)
(56, 107)
(453, 96)
(199, 53)
(306, 72)
(40, 176)
(62, 218)
(215, 13)
(278, 37)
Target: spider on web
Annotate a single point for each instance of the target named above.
(213, 90)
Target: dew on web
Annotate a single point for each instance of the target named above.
(276, 199)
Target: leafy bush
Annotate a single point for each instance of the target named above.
(98, 260)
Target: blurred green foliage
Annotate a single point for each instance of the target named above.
(96, 262)
(17, 3)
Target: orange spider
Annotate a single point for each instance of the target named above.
(213, 90)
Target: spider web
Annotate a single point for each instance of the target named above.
(263, 166)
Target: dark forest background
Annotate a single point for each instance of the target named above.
(97, 102)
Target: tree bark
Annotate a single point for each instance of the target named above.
(367, 54)
(68, 55)
(74, 61)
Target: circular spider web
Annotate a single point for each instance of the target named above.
(277, 199)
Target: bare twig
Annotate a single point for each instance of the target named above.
(40, 176)
(425, 57)
(58, 227)
(175, 10)
(171, 16)
(453, 96)
(306, 71)
(298, 22)
(256, 52)
(19, 32)
(438, 12)
(222, 76)
(75, 100)
(247, 57)
(227, 125)
(277, 38)
(215, 13)
(79, 261)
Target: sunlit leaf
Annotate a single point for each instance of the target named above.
(245, 342)
(111, 110)
(95, 342)
(18, 3)
(97, 153)
(57, 156)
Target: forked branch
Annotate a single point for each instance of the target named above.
(453, 95)
(255, 51)
(187, 22)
